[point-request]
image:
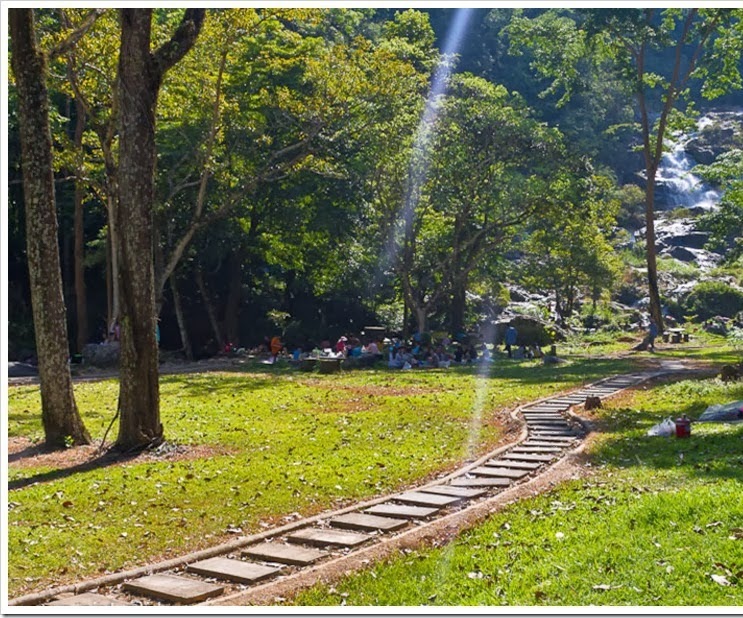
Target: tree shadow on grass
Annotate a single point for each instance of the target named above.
(217, 383)
(110, 457)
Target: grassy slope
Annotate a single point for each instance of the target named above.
(652, 526)
(282, 442)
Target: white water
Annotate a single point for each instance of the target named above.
(678, 187)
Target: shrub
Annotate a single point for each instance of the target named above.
(711, 298)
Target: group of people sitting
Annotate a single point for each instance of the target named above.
(420, 351)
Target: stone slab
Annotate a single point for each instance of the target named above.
(482, 481)
(543, 431)
(531, 448)
(555, 439)
(173, 588)
(545, 408)
(557, 416)
(284, 554)
(86, 599)
(529, 457)
(324, 538)
(401, 510)
(544, 442)
(554, 431)
(508, 473)
(232, 570)
(540, 426)
(420, 498)
(515, 465)
(449, 490)
(366, 522)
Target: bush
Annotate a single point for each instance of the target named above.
(712, 298)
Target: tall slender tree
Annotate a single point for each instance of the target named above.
(141, 73)
(60, 417)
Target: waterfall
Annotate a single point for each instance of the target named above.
(676, 185)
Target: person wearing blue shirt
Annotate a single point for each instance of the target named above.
(510, 338)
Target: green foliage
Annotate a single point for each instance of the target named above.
(726, 223)
(712, 298)
(480, 170)
(568, 251)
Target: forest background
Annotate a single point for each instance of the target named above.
(308, 184)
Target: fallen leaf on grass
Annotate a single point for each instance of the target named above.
(736, 534)
(606, 587)
(720, 579)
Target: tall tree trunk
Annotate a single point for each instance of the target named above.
(234, 298)
(59, 413)
(421, 318)
(458, 306)
(211, 312)
(114, 307)
(653, 291)
(139, 395)
(81, 302)
(109, 283)
(140, 76)
(181, 319)
(405, 313)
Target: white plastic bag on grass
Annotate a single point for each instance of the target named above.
(666, 428)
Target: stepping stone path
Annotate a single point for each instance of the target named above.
(85, 599)
(323, 538)
(284, 554)
(516, 465)
(232, 570)
(420, 498)
(401, 510)
(361, 521)
(173, 588)
(549, 434)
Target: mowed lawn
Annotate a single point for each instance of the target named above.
(657, 522)
(255, 449)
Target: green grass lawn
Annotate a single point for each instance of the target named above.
(261, 446)
(659, 522)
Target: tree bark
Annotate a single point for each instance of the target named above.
(140, 77)
(234, 298)
(59, 413)
(81, 301)
(211, 312)
(653, 290)
(181, 319)
(458, 306)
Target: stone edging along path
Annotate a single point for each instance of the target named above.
(260, 568)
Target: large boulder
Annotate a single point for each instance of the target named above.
(102, 354)
(722, 131)
(531, 331)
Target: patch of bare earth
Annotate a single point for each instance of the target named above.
(23, 453)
